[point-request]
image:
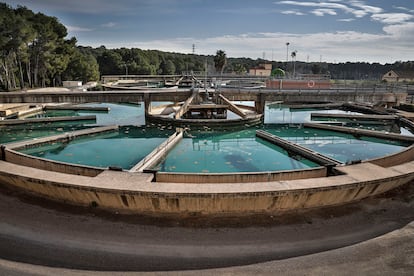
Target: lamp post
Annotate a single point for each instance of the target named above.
(287, 52)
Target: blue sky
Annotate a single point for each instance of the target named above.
(328, 30)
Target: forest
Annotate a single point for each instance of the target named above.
(35, 52)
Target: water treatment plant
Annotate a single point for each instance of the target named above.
(195, 155)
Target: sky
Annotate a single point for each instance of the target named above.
(327, 30)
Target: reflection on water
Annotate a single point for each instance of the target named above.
(119, 114)
(202, 151)
(122, 149)
(281, 114)
(340, 146)
(237, 151)
(31, 131)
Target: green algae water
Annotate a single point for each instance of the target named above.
(31, 131)
(221, 152)
(340, 146)
(281, 114)
(124, 148)
(235, 150)
(119, 114)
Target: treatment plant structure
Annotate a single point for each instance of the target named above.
(145, 191)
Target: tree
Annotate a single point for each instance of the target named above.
(294, 62)
(82, 67)
(220, 61)
(278, 73)
(167, 67)
(33, 48)
(110, 63)
(239, 69)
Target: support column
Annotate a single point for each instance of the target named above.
(260, 103)
(147, 103)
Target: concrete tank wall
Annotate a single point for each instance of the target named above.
(123, 191)
(240, 177)
(398, 158)
(49, 165)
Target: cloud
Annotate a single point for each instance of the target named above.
(401, 31)
(358, 8)
(78, 6)
(366, 8)
(403, 9)
(293, 12)
(75, 29)
(341, 46)
(392, 18)
(322, 12)
(109, 25)
(346, 19)
(99, 7)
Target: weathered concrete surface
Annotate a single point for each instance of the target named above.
(232, 106)
(158, 153)
(61, 137)
(246, 177)
(362, 132)
(179, 95)
(184, 108)
(10, 109)
(9, 152)
(355, 117)
(48, 120)
(75, 107)
(131, 192)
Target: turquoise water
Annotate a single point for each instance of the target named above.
(237, 151)
(122, 149)
(281, 114)
(201, 151)
(340, 146)
(26, 132)
(119, 114)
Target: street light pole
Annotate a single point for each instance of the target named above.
(287, 52)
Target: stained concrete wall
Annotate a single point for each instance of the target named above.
(233, 94)
(240, 177)
(398, 158)
(133, 193)
(49, 165)
(9, 153)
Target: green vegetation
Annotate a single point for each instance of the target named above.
(220, 61)
(35, 52)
